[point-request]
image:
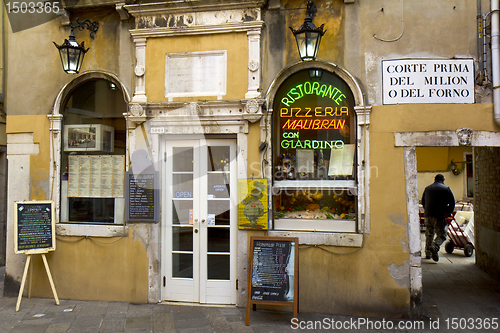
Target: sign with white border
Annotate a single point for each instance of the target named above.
(407, 81)
(34, 225)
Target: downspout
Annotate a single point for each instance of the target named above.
(495, 59)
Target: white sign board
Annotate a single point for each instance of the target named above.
(428, 81)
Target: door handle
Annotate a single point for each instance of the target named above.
(203, 221)
(195, 231)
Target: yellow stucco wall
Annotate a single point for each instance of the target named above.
(236, 45)
(95, 268)
(39, 168)
(113, 269)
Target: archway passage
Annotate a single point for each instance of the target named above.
(455, 281)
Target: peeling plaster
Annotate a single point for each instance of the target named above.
(400, 273)
(397, 218)
(400, 220)
(404, 242)
(139, 233)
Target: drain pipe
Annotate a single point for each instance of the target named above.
(495, 58)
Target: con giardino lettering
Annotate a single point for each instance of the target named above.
(313, 88)
(308, 144)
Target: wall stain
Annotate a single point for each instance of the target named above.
(11, 286)
(139, 236)
(397, 218)
(400, 274)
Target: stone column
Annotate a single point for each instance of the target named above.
(140, 71)
(253, 64)
(19, 148)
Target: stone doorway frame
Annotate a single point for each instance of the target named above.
(409, 141)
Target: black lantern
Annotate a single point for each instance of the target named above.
(71, 52)
(308, 36)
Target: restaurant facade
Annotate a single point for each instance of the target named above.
(194, 125)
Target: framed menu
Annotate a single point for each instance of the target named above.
(273, 273)
(34, 227)
(142, 197)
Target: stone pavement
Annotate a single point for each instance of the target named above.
(453, 288)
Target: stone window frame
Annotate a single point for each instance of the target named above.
(56, 130)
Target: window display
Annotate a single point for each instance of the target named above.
(93, 155)
(314, 150)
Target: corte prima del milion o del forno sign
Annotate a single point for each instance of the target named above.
(408, 81)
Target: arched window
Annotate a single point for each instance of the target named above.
(314, 153)
(93, 154)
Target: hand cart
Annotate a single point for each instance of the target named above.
(460, 237)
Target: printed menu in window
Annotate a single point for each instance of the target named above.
(96, 176)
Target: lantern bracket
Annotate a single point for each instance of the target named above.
(85, 24)
(311, 11)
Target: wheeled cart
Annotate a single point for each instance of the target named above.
(460, 237)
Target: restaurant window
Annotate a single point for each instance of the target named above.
(93, 154)
(314, 154)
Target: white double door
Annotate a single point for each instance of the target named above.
(199, 250)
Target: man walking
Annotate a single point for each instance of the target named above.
(438, 202)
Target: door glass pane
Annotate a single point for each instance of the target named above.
(181, 210)
(182, 185)
(182, 239)
(218, 267)
(218, 158)
(182, 159)
(218, 239)
(218, 185)
(182, 265)
(220, 209)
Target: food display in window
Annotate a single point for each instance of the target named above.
(315, 204)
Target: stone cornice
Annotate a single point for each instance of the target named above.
(197, 30)
(182, 6)
(245, 109)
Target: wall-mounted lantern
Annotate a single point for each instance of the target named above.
(454, 168)
(71, 52)
(308, 36)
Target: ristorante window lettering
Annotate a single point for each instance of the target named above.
(314, 153)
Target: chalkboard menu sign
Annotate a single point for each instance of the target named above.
(141, 204)
(34, 225)
(273, 272)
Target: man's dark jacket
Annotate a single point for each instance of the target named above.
(438, 200)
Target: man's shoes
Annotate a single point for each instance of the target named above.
(434, 253)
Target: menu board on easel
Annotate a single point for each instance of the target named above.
(34, 226)
(273, 272)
